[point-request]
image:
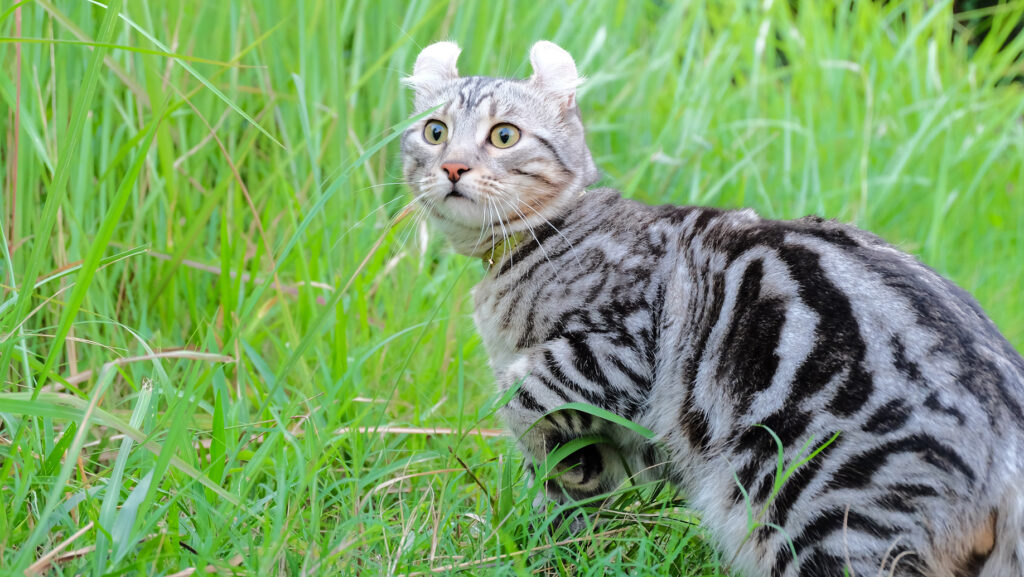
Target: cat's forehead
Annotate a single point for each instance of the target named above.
(486, 95)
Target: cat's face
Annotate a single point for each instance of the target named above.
(497, 156)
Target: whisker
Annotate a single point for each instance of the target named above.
(504, 233)
(529, 227)
(491, 220)
(417, 219)
(480, 239)
(381, 184)
(572, 248)
(393, 219)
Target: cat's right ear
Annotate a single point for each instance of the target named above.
(434, 66)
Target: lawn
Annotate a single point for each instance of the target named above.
(225, 344)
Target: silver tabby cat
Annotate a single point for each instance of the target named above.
(701, 324)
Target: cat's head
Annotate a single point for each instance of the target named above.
(498, 156)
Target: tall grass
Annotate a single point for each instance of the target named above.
(194, 374)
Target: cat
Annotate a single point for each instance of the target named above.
(716, 330)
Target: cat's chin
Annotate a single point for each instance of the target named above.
(461, 210)
(470, 237)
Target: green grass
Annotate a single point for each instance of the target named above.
(191, 342)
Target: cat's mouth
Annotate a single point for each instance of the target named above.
(454, 193)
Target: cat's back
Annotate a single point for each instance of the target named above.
(839, 314)
(871, 301)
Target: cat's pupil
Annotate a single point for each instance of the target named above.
(436, 132)
(504, 135)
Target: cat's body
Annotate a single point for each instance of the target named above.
(702, 324)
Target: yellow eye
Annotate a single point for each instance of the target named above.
(435, 132)
(504, 135)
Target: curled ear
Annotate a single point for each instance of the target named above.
(554, 72)
(435, 65)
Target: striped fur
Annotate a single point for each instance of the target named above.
(702, 324)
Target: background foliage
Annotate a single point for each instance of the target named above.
(204, 306)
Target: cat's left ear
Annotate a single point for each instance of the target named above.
(554, 72)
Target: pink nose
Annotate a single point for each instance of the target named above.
(454, 170)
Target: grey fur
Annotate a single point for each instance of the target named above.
(701, 324)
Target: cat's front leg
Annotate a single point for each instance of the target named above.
(541, 386)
